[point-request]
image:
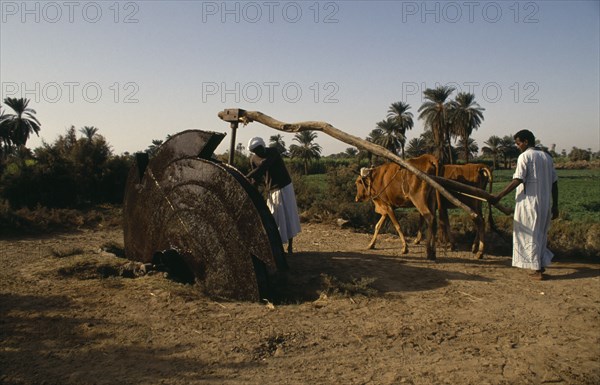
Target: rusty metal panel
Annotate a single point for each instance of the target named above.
(207, 211)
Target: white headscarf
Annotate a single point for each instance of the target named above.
(255, 142)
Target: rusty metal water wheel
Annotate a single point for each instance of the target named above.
(204, 212)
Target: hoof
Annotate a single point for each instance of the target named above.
(479, 256)
(370, 247)
(405, 250)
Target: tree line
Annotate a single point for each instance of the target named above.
(71, 172)
(445, 120)
(79, 168)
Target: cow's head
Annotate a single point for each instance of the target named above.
(363, 185)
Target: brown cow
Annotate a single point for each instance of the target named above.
(473, 174)
(390, 186)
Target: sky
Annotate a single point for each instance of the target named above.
(140, 70)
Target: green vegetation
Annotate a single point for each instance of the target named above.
(579, 193)
(70, 173)
(16, 128)
(306, 150)
(576, 233)
(579, 198)
(77, 181)
(316, 184)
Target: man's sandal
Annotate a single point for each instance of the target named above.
(536, 275)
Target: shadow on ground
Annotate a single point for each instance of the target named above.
(40, 336)
(309, 272)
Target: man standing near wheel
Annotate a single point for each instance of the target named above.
(281, 199)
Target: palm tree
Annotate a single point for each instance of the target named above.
(389, 135)
(508, 149)
(5, 141)
(493, 147)
(404, 119)
(416, 147)
(435, 113)
(374, 137)
(21, 124)
(465, 116)
(424, 144)
(307, 150)
(351, 152)
(89, 132)
(277, 142)
(273, 139)
(153, 148)
(469, 149)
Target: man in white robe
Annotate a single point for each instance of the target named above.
(536, 203)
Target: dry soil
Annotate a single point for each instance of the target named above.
(66, 318)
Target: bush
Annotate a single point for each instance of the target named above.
(573, 239)
(67, 174)
(577, 165)
(113, 179)
(306, 194)
(240, 161)
(296, 166)
(325, 165)
(42, 219)
(329, 197)
(578, 154)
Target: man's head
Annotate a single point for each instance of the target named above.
(257, 145)
(524, 139)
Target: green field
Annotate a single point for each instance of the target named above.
(579, 192)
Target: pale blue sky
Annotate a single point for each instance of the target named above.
(139, 70)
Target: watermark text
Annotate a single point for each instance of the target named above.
(270, 11)
(469, 11)
(271, 92)
(490, 92)
(69, 11)
(72, 92)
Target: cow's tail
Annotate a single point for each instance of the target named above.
(439, 171)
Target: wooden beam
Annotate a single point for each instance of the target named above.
(473, 192)
(246, 117)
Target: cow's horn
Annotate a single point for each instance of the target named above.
(365, 171)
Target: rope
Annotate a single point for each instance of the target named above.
(386, 186)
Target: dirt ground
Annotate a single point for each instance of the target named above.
(66, 319)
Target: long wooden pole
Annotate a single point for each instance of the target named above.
(256, 116)
(473, 192)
